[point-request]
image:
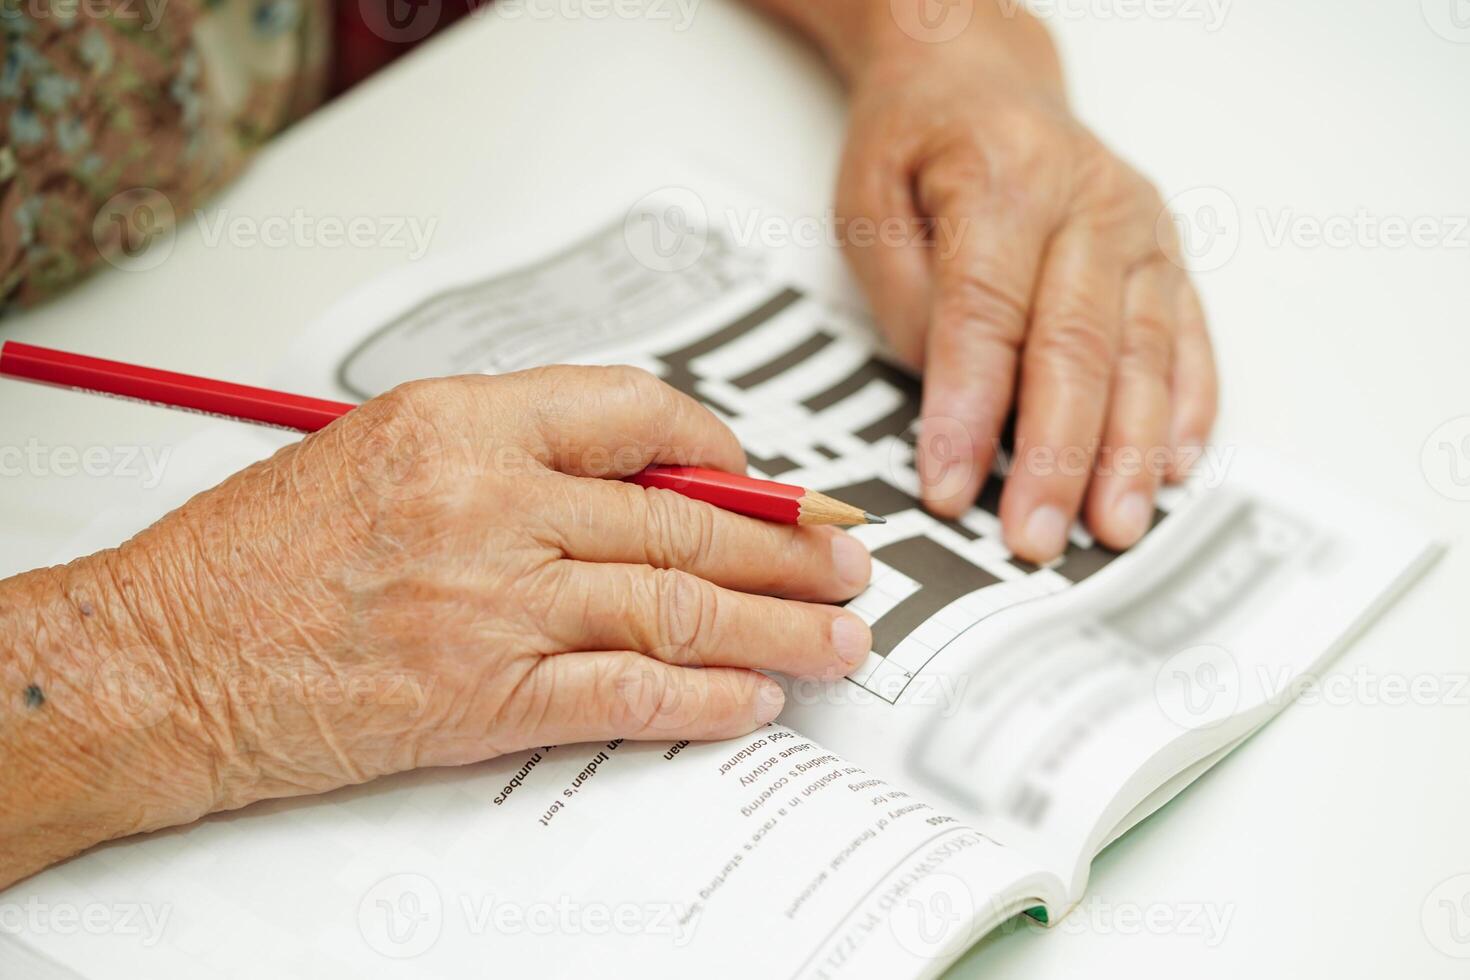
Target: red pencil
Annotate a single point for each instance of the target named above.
(765, 499)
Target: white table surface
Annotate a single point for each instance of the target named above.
(1332, 841)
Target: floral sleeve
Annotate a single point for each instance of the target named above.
(118, 115)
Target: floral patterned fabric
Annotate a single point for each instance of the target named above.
(108, 104)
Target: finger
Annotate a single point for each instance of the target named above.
(612, 521)
(982, 302)
(611, 422)
(883, 244)
(1196, 386)
(1066, 374)
(582, 697)
(683, 620)
(1120, 504)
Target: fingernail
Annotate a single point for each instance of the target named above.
(1132, 515)
(851, 639)
(1046, 532)
(851, 560)
(769, 700)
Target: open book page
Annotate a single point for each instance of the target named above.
(1068, 714)
(767, 856)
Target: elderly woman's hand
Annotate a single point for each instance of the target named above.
(1020, 264)
(1048, 279)
(449, 573)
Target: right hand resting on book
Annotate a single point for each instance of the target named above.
(448, 573)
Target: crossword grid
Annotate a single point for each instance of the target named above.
(814, 407)
(797, 382)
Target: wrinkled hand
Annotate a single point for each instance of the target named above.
(1048, 281)
(451, 572)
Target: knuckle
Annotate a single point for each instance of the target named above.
(1023, 171)
(679, 531)
(1148, 345)
(670, 706)
(1074, 347)
(975, 301)
(573, 383)
(395, 448)
(1033, 146)
(860, 189)
(554, 593)
(685, 611)
(422, 397)
(535, 700)
(795, 558)
(1150, 200)
(961, 172)
(1111, 186)
(558, 386)
(393, 403)
(636, 381)
(652, 701)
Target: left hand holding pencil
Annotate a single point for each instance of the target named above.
(450, 572)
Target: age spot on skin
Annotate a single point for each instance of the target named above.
(34, 697)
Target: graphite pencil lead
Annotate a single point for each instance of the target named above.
(874, 518)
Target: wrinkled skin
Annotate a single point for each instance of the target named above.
(449, 573)
(1048, 283)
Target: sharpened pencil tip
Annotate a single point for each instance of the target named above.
(874, 518)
